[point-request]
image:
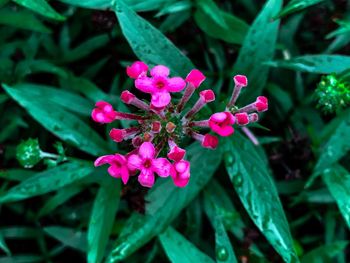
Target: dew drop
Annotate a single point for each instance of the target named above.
(221, 253)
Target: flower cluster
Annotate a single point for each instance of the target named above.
(163, 125)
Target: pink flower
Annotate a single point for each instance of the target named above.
(180, 172)
(240, 80)
(147, 164)
(159, 85)
(221, 123)
(195, 77)
(118, 166)
(137, 70)
(210, 141)
(176, 153)
(242, 118)
(261, 104)
(103, 113)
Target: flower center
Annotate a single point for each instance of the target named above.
(147, 163)
(160, 84)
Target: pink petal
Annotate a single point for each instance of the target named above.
(104, 159)
(127, 97)
(135, 162)
(147, 151)
(160, 99)
(240, 80)
(181, 182)
(124, 174)
(160, 70)
(195, 77)
(146, 178)
(145, 84)
(226, 131)
(207, 95)
(242, 118)
(176, 154)
(176, 84)
(218, 117)
(114, 171)
(210, 141)
(161, 166)
(137, 69)
(182, 166)
(117, 135)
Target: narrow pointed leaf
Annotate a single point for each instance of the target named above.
(102, 218)
(180, 250)
(253, 183)
(93, 4)
(41, 7)
(320, 64)
(67, 236)
(258, 47)
(48, 181)
(297, 5)
(324, 253)
(165, 203)
(212, 11)
(337, 180)
(148, 43)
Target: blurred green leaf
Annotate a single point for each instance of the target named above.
(253, 183)
(48, 181)
(180, 250)
(234, 33)
(297, 5)
(93, 4)
(41, 7)
(68, 236)
(320, 64)
(337, 180)
(3, 245)
(22, 258)
(149, 44)
(344, 28)
(16, 174)
(28, 66)
(102, 219)
(165, 203)
(65, 125)
(212, 11)
(23, 20)
(258, 47)
(325, 253)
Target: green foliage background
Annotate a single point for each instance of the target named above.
(287, 200)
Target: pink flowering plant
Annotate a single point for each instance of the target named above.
(161, 125)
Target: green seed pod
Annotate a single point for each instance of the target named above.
(332, 94)
(28, 153)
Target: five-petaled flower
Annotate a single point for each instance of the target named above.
(163, 124)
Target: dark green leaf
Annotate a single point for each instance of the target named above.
(27, 67)
(41, 7)
(16, 174)
(165, 203)
(65, 125)
(23, 20)
(48, 181)
(234, 33)
(258, 47)
(3, 245)
(102, 219)
(337, 180)
(211, 10)
(297, 5)
(253, 183)
(68, 236)
(320, 64)
(175, 245)
(93, 4)
(149, 44)
(324, 253)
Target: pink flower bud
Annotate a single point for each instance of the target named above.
(119, 135)
(240, 80)
(210, 141)
(261, 104)
(207, 95)
(253, 117)
(242, 118)
(195, 77)
(137, 70)
(221, 123)
(170, 127)
(103, 113)
(137, 141)
(127, 97)
(180, 173)
(156, 127)
(176, 153)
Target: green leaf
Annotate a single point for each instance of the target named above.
(93, 4)
(23, 20)
(324, 253)
(29, 66)
(212, 11)
(165, 202)
(149, 44)
(253, 183)
(258, 47)
(62, 123)
(41, 7)
(234, 33)
(337, 180)
(69, 237)
(16, 174)
(102, 219)
(3, 245)
(180, 250)
(320, 64)
(48, 181)
(68, 100)
(297, 5)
